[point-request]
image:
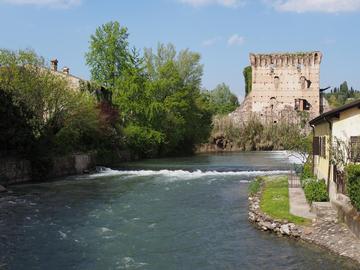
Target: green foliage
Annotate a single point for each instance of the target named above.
(16, 134)
(143, 141)
(158, 94)
(353, 184)
(275, 200)
(108, 54)
(222, 100)
(161, 92)
(48, 117)
(307, 171)
(255, 185)
(315, 190)
(248, 79)
(254, 135)
(341, 95)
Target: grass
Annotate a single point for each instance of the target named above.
(275, 200)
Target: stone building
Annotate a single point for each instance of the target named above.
(77, 84)
(283, 84)
(73, 81)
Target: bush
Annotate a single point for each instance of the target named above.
(353, 184)
(143, 141)
(315, 190)
(307, 171)
(255, 185)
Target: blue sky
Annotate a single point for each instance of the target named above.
(224, 32)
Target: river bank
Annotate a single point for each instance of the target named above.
(323, 231)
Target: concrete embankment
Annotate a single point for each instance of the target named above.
(14, 171)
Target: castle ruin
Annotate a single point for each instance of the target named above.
(282, 85)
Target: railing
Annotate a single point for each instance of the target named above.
(294, 180)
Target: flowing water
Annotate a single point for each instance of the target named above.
(182, 213)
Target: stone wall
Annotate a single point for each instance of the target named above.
(13, 171)
(282, 85)
(347, 213)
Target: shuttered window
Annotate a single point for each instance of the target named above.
(322, 146)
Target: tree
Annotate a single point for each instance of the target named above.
(178, 109)
(108, 54)
(16, 134)
(52, 108)
(223, 100)
(342, 95)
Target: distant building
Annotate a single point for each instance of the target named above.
(341, 124)
(78, 84)
(283, 84)
(74, 82)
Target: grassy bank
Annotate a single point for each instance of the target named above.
(275, 200)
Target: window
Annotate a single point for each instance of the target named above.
(355, 148)
(319, 146)
(302, 105)
(276, 82)
(305, 83)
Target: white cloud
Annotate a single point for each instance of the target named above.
(211, 41)
(329, 6)
(47, 3)
(236, 40)
(225, 3)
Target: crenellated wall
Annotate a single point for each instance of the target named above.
(285, 81)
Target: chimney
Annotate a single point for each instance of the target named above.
(54, 64)
(66, 70)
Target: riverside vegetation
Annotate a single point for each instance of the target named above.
(149, 104)
(254, 135)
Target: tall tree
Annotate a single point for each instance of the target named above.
(108, 53)
(223, 100)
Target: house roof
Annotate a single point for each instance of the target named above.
(335, 112)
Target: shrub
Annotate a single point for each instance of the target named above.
(315, 190)
(255, 185)
(307, 171)
(143, 141)
(353, 184)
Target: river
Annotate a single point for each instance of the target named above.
(180, 213)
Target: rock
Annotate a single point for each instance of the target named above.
(284, 229)
(252, 216)
(265, 225)
(308, 231)
(291, 225)
(2, 189)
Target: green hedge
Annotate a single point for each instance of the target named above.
(315, 190)
(307, 171)
(353, 184)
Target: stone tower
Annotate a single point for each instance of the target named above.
(283, 84)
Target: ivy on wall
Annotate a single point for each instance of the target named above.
(248, 79)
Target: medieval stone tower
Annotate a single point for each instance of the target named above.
(283, 84)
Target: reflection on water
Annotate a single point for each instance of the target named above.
(190, 215)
